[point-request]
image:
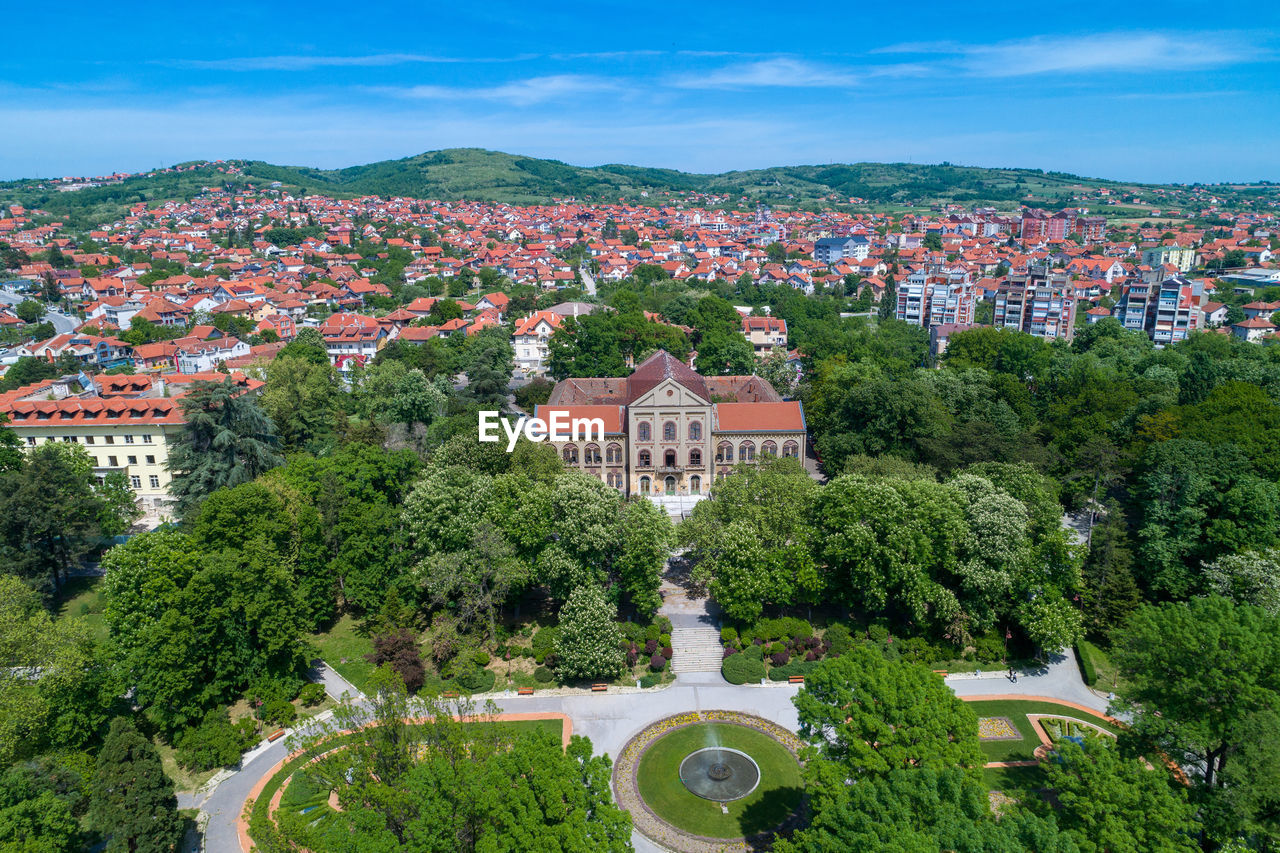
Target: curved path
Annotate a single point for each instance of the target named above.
(611, 719)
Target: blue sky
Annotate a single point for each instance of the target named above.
(1140, 91)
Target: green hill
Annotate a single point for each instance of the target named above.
(477, 174)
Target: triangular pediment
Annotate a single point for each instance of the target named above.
(669, 392)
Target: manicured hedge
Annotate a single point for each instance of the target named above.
(742, 669)
(796, 667)
(1087, 669)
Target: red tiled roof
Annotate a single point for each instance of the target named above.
(759, 417)
(611, 415)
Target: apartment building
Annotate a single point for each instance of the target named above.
(531, 338)
(1167, 310)
(936, 296)
(1181, 257)
(125, 423)
(1040, 302)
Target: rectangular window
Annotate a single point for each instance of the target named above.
(135, 481)
(69, 439)
(151, 460)
(88, 439)
(155, 481)
(133, 460)
(111, 462)
(128, 439)
(146, 439)
(111, 439)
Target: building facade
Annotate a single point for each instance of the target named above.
(668, 430)
(1040, 302)
(935, 297)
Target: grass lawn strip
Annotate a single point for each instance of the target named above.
(1016, 711)
(777, 796)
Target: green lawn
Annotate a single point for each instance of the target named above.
(1013, 781)
(81, 598)
(1016, 710)
(1109, 679)
(344, 648)
(778, 794)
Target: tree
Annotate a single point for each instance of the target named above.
(131, 798)
(29, 311)
(646, 537)
(299, 399)
(776, 369)
(227, 440)
(725, 354)
(1249, 578)
(474, 583)
(590, 644)
(1197, 676)
(873, 716)
(309, 345)
(52, 511)
(399, 649)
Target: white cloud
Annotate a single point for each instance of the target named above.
(533, 90)
(303, 62)
(1079, 54)
(780, 72)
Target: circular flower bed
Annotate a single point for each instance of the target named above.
(647, 784)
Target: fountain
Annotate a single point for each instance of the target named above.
(719, 774)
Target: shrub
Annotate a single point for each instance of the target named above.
(779, 659)
(990, 648)
(664, 640)
(632, 631)
(838, 639)
(754, 653)
(742, 669)
(542, 675)
(650, 646)
(277, 712)
(633, 654)
(1087, 670)
(878, 632)
(652, 679)
(481, 658)
(539, 656)
(312, 694)
(667, 652)
(788, 628)
(500, 652)
(545, 640)
(216, 742)
(729, 650)
(810, 655)
(657, 663)
(476, 680)
(775, 648)
(729, 636)
(664, 625)
(526, 652)
(796, 667)
(653, 632)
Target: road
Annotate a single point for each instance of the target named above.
(61, 322)
(611, 719)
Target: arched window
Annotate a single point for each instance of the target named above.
(643, 459)
(747, 451)
(695, 458)
(669, 431)
(571, 454)
(790, 449)
(768, 449)
(724, 453)
(695, 485)
(613, 454)
(695, 431)
(669, 458)
(642, 431)
(644, 485)
(591, 453)
(670, 485)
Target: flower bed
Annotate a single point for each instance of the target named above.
(997, 728)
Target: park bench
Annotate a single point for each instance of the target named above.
(275, 736)
(450, 694)
(796, 679)
(525, 691)
(941, 672)
(599, 688)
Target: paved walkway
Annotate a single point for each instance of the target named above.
(695, 630)
(334, 684)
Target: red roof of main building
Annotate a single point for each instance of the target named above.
(786, 416)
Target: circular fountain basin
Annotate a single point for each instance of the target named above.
(719, 773)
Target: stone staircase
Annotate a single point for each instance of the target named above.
(696, 648)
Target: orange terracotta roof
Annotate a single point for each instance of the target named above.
(760, 417)
(611, 415)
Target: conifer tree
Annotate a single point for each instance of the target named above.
(131, 798)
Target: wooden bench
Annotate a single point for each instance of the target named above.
(941, 672)
(275, 736)
(796, 679)
(525, 691)
(599, 688)
(450, 694)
